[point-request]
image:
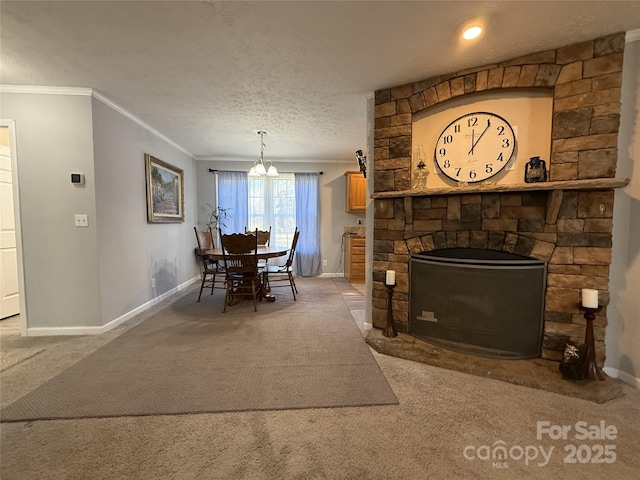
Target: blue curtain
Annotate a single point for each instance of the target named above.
(233, 193)
(307, 259)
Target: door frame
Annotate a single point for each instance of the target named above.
(13, 149)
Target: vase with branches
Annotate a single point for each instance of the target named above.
(216, 217)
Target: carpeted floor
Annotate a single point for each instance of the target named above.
(444, 426)
(534, 373)
(12, 356)
(191, 358)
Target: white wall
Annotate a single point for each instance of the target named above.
(333, 217)
(623, 331)
(131, 251)
(53, 139)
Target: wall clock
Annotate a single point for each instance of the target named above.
(474, 147)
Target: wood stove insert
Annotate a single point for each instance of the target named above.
(479, 301)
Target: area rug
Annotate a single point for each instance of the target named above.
(192, 358)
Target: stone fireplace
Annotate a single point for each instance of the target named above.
(565, 222)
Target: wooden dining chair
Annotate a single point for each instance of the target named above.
(210, 270)
(240, 260)
(282, 275)
(264, 236)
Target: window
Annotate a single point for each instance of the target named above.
(283, 203)
(272, 203)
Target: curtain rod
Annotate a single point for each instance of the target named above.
(211, 170)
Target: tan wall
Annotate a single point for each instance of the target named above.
(528, 111)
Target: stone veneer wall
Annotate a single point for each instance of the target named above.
(575, 241)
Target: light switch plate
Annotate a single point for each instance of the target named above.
(82, 220)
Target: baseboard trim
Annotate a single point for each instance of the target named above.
(84, 330)
(622, 376)
(331, 275)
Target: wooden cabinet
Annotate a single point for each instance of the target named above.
(356, 192)
(354, 259)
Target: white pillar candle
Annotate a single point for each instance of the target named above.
(390, 279)
(589, 298)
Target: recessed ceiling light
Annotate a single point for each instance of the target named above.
(472, 28)
(472, 32)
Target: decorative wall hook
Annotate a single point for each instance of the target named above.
(362, 162)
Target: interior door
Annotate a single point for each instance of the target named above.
(9, 286)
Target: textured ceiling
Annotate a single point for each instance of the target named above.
(209, 75)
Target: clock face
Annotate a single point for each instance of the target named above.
(475, 147)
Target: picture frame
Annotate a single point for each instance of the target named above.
(165, 191)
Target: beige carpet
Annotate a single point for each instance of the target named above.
(13, 356)
(440, 413)
(191, 358)
(534, 373)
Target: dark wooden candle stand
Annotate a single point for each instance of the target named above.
(388, 330)
(593, 370)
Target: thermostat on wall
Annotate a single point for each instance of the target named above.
(77, 178)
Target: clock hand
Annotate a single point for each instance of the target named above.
(483, 132)
(473, 131)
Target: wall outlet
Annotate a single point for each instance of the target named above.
(359, 221)
(153, 283)
(325, 263)
(82, 220)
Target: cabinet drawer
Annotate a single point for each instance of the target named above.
(356, 276)
(357, 270)
(357, 259)
(357, 242)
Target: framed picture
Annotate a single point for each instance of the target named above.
(165, 191)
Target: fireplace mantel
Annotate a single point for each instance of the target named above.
(588, 184)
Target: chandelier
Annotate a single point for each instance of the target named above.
(259, 169)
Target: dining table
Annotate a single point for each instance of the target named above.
(265, 252)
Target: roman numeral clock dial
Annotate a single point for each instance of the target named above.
(475, 147)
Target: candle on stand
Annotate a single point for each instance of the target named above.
(589, 298)
(390, 279)
(390, 282)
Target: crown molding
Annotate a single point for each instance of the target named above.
(126, 113)
(82, 91)
(46, 90)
